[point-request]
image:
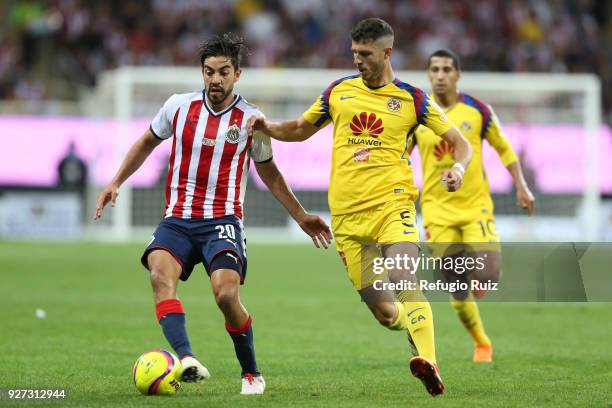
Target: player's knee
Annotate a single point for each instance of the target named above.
(160, 279)
(384, 320)
(459, 297)
(162, 275)
(226, 295)
(383, 317)
(492, 273)
(491, 270)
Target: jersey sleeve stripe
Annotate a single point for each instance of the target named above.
(264, 161)
(484, 110)
(155, 134)
(325, 99)
(419, 97)
(322, 119)
(410, 137)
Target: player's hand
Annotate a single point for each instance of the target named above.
(525, 199)
(452, 179)
(316, 229)
(255, 123)
(109, 194)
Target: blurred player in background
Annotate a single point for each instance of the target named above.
(205, 188)
(371, 191)
(467, 215)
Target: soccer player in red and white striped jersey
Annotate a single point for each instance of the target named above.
(205, 186)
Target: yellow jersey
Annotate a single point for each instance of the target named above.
(476, 121)
(372, 127)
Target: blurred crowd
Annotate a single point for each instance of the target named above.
(52, 49)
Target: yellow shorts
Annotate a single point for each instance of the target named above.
(479, 234)
(359, 236)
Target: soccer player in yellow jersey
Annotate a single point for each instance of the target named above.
(467, 215)
(371, 191)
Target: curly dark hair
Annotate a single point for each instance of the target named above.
(227, 45)
(371, 29)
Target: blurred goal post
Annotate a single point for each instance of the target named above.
(530, 98)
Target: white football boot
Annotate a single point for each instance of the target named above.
(252, 385)
(193, 370)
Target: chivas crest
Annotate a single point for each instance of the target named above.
(233, 134)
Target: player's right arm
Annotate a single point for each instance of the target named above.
(496, 138)
(295, 130)
(462, 154)
(161, 128)
(433, 117)
(134, 159)
(316, 117)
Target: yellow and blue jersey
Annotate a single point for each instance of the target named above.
(476, 121)
(372, 127)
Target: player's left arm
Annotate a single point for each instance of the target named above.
(312, 225)
(496, 138)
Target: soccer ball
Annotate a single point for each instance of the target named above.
(157, 372)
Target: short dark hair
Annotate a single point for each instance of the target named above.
(371, 29)
(226, 45)
(444, 53)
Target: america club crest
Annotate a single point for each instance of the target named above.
(233, 134)
(393, 105)
(465, 126)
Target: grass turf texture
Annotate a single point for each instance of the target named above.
(317, 345)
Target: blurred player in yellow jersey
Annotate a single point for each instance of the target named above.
(371, 191)
(467, 215)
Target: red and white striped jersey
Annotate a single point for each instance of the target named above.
(209, 163)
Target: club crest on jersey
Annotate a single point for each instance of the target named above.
(233, 134)
(465, 126)
(393, 105)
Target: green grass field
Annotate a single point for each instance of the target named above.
(317, 344)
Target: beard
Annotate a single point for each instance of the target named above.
(372, 73)
(218, 99)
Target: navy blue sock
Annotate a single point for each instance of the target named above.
(245, 349)
(172, 320)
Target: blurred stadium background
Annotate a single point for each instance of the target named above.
(80, 80)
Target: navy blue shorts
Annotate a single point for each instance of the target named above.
(193, 241)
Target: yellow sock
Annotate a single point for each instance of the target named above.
(420, 324)
(414, 314)
(467, 311)
(401, 321)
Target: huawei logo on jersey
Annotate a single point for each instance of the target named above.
(367, 123)
(442, 149)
